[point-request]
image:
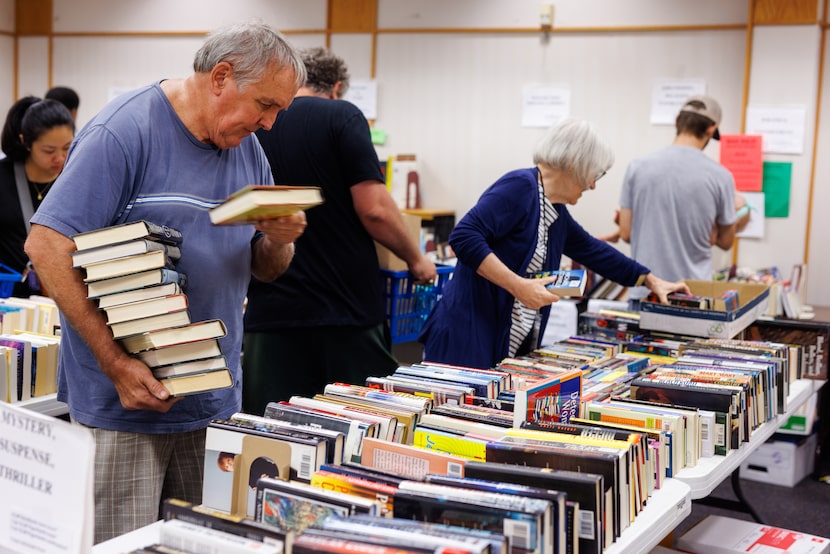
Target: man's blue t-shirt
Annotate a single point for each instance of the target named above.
(137, 160)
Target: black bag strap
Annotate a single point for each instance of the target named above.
(23, 193)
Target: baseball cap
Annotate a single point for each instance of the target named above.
(706, 106)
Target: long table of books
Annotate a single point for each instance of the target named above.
(666, 508)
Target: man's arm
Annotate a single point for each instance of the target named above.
(724, 235)
(625, 224)
(382, 220)
(137, 388)
(272, 254)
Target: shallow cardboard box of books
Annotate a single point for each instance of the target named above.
(718, 322)
(388, 260)
(781, 462)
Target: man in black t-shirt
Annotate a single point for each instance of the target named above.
(323, 320)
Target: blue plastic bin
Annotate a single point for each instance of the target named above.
(8, 277)
(408, 304)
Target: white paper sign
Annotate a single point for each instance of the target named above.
(782, 128)
(364, 95)
(544, 105)
(562, 322)
(755, 228)
(46, 480)
(667, 97)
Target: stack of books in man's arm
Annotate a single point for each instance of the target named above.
(130, 271)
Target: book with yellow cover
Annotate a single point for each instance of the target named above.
(258, 202)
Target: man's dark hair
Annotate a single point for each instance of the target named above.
(692, 123)
(65, 96)
(324, 71)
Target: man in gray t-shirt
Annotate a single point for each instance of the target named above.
(677, 203)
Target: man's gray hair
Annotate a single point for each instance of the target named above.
(249, 48)
(573, 145)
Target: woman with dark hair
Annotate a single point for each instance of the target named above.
(36, 138)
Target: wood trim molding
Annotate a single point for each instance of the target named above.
(352, 16)
(791, 12)
(33, 17)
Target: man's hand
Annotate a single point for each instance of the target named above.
(137, 388)
(423, 271)
(284, 229)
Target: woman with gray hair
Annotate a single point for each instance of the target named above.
(493, 307)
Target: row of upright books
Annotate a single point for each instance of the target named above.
(555, 452)
(29, 345)
(130, 272)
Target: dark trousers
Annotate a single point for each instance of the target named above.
(302, 361)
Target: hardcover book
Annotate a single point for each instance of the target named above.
(146, 308)
(257, 202)
(137, 295)
(556, 398)
(293, 506)
(409, 461)
(188, 351)
(555, 535)
(334, 439)
(135, 281)
(308, 451)
(184, 368)
(198, 331)
(578, 459)
(173, 508)
(124, 266)
(192, 383)
(355, 430)
(191, 537)
(146, 324)
(124, 232)
(424, 536)
(234, 462)
(82, 258)
(358, 486)
(522, 520)
(20, 381)
(814, 336)
(585, 488)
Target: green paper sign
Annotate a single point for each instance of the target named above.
(777, 181)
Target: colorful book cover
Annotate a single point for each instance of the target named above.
(553, 399)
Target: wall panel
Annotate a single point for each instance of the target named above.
(73, 16)
(32, 54)
(455, 101)
(7, 16)
(567, 13)
(819, 262)
(784, 74)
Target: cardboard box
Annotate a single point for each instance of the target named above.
(718, 322)
(388, 260)
(725, 535)
(781, 462)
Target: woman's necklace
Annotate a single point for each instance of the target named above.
(41, 189)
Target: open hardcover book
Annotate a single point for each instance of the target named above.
(257, 202)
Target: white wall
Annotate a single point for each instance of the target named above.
(454, 97)
(6, 55)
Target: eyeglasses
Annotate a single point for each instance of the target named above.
(590, 184)
(601, 175)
